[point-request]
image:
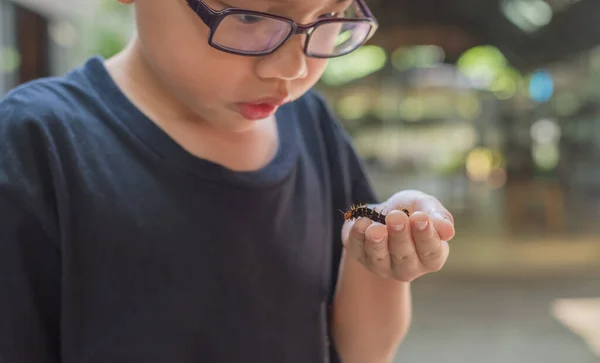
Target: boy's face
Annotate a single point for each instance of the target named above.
(216, 85)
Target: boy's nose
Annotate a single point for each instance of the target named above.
(287, 63)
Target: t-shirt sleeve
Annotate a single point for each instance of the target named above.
(29, 253)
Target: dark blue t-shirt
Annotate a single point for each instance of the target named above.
(118, 246)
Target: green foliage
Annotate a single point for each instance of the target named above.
(109, 30)
(109, 43)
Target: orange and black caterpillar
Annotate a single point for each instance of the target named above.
(362, 210)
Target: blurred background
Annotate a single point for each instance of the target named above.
(491, 105)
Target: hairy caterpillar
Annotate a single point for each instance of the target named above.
(362, 210)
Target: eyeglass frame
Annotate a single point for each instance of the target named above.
(212, 18)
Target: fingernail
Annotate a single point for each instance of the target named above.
(377, 239)
(442, 216)
(360, 225)
(397, 227)
(421, 225)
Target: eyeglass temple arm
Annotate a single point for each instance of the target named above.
(204, 12)
(362, 6)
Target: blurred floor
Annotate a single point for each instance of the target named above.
(495, 319)
(504, 255)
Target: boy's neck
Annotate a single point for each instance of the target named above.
(137, 81)
(241, 151)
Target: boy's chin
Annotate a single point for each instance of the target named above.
(235, 123)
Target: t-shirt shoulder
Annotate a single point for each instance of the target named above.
(30, 116)
(49, 115)
(51, 99)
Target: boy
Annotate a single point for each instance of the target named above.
(179, 202)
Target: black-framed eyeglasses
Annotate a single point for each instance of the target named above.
(253, 33)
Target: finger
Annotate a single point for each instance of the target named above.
(377, 253)
(355, 244)
(429, 246)
(442, 219)
(443, 225)
(430, 204)
(402, 248)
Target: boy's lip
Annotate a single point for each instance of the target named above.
(261, 108)
(272, 101)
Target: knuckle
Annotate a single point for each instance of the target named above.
(379, 260)
(379, 265)
(378, 253)
(431, 259)
(431, 254)
(405, 257)
(377, 246)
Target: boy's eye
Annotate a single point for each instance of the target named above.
(331, 15)
(249, 19)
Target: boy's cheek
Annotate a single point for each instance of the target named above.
(316, 68)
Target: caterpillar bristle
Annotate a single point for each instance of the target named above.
(406, 210)
(362, 210)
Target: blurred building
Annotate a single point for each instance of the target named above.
(28, 49)
(492, 105)
(41, 38)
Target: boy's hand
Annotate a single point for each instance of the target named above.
(406, 247)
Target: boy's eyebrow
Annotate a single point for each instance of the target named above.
(334, 2)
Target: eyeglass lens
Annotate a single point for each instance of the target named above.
(256, 34)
